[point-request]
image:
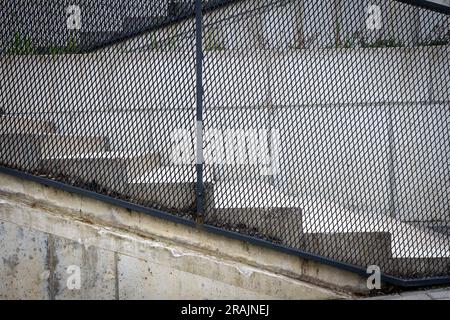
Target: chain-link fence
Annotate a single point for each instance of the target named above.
(318, 126)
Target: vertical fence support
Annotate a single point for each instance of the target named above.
(199, 125)
(391, 168)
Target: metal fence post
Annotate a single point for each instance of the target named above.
(199, 124)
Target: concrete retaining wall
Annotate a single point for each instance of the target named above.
(46, 234)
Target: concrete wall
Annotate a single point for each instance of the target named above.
(366, 139)
(357, 127)
(128, 255)
(114, 82)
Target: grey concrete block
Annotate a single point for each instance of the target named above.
(169, 187)
(281, 225)
(12, 124)
(20, 150)
(66, 144)
(394, 74)
(141, 280)
(258, 172)
(420, 267)
(193, 277)
(440, 76)
(358, 248)
(180, 197)
(25, 150)
(135, 280)
(246, 84)
(35, 265)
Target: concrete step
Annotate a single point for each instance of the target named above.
(357, 248)
(13, 124)
(398, 248)
(169, 187)
(255, 208)
(228, 172)
(419, 267)
(283, 226)
(262, 210)
(408, 240)
(172, 186)
(324, 228)
(25, 150)
(279, 225)
(102, 171)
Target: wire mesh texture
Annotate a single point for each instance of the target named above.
(323, 125)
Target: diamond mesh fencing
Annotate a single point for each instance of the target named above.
(319, 126)
(85, 105)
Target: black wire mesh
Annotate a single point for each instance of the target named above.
(105, 119)
(325, 123)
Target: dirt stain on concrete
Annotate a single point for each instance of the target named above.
(11, 263)
(51, 264)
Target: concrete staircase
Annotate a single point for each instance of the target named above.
(239, 202)
(326, 229)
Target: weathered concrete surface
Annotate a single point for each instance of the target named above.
(44, 232)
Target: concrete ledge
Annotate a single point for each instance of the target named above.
(71, 208)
